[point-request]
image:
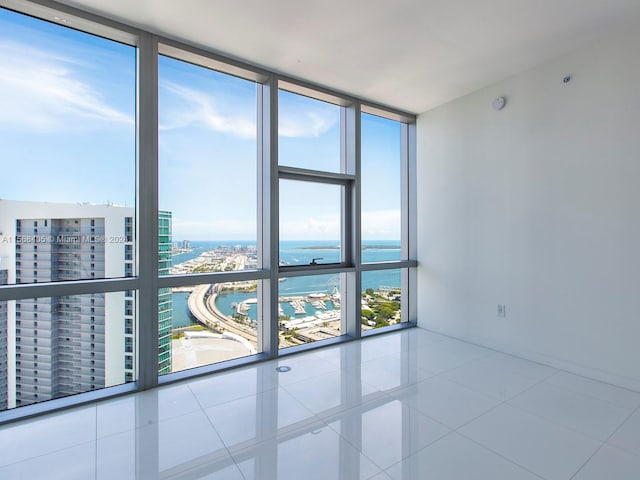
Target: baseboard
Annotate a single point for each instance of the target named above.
(561, 364)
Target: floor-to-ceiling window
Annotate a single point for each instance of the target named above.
(385, 197)
(67, 210)
(208, 180)
(166, 211)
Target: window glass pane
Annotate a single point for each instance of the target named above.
(67, 130)
(381, 194)
(212, 323)
(66, 345)
(309, 309)
(310, 222)
(308, 133)
(208, 166)
(381, 298)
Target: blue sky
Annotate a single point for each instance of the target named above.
(67, 130)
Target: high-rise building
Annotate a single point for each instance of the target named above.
(164, 294)
(71, 344)
(3, 341)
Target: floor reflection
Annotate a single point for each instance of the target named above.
(406, 405)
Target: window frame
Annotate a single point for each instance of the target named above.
(148, 282)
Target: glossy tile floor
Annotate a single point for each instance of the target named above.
(407, 405)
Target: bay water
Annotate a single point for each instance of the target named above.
(293, 253)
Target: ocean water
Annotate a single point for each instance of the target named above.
(291, 253)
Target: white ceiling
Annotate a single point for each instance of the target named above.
(409, 54)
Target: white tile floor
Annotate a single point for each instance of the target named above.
(407, 405)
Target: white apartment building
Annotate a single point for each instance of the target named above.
(58, 346)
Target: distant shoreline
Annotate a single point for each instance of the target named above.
(337, 247)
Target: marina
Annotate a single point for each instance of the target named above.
(308, 306)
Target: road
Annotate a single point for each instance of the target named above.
(208, 314)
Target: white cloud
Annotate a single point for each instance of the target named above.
(38, 90)
(305, 123)
(220, 229)
(381, 224)
(376, 225)
(200, 109)
(317, 227)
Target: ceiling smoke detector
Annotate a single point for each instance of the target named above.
(499, 103)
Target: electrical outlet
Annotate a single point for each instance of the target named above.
(502, 310)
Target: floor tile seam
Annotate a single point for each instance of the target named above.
(330, 372)
(449, 370)
(488, 353)
(373, 359)
(630, 414)
(501, 455)
(395, 356)
(342, 412)
(531, 387)
(157, 391)
(253, 443)
(557, 424)
(622, 449)
(379, 473)
(392, 390)
(448, 351)
(431, 374)
(450, 338)
(417, 347)
(433, 419)
(594, 397)
(609, 384)
(608, 440)
(466, 387)
(449, 431)
(537, 378)
(48, 417)
(474, 390)
(584, 464)
(151, 423)
(419, 370)
(335, 365)
(494, 351)
(183, 475)
(510, 370)
(597, 451)
(441, 337)
(298, 402)
(400, 392)
(528, 360)
(359, 449)
(483, 447)
(202, 407)
(238, 451)
(414, 454)
(58, 450)
(362, 383)
(355, 368)
(384, 469)
(224, 445)
(495, 407)
(410, 363)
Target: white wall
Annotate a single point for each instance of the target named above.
(538, 207)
